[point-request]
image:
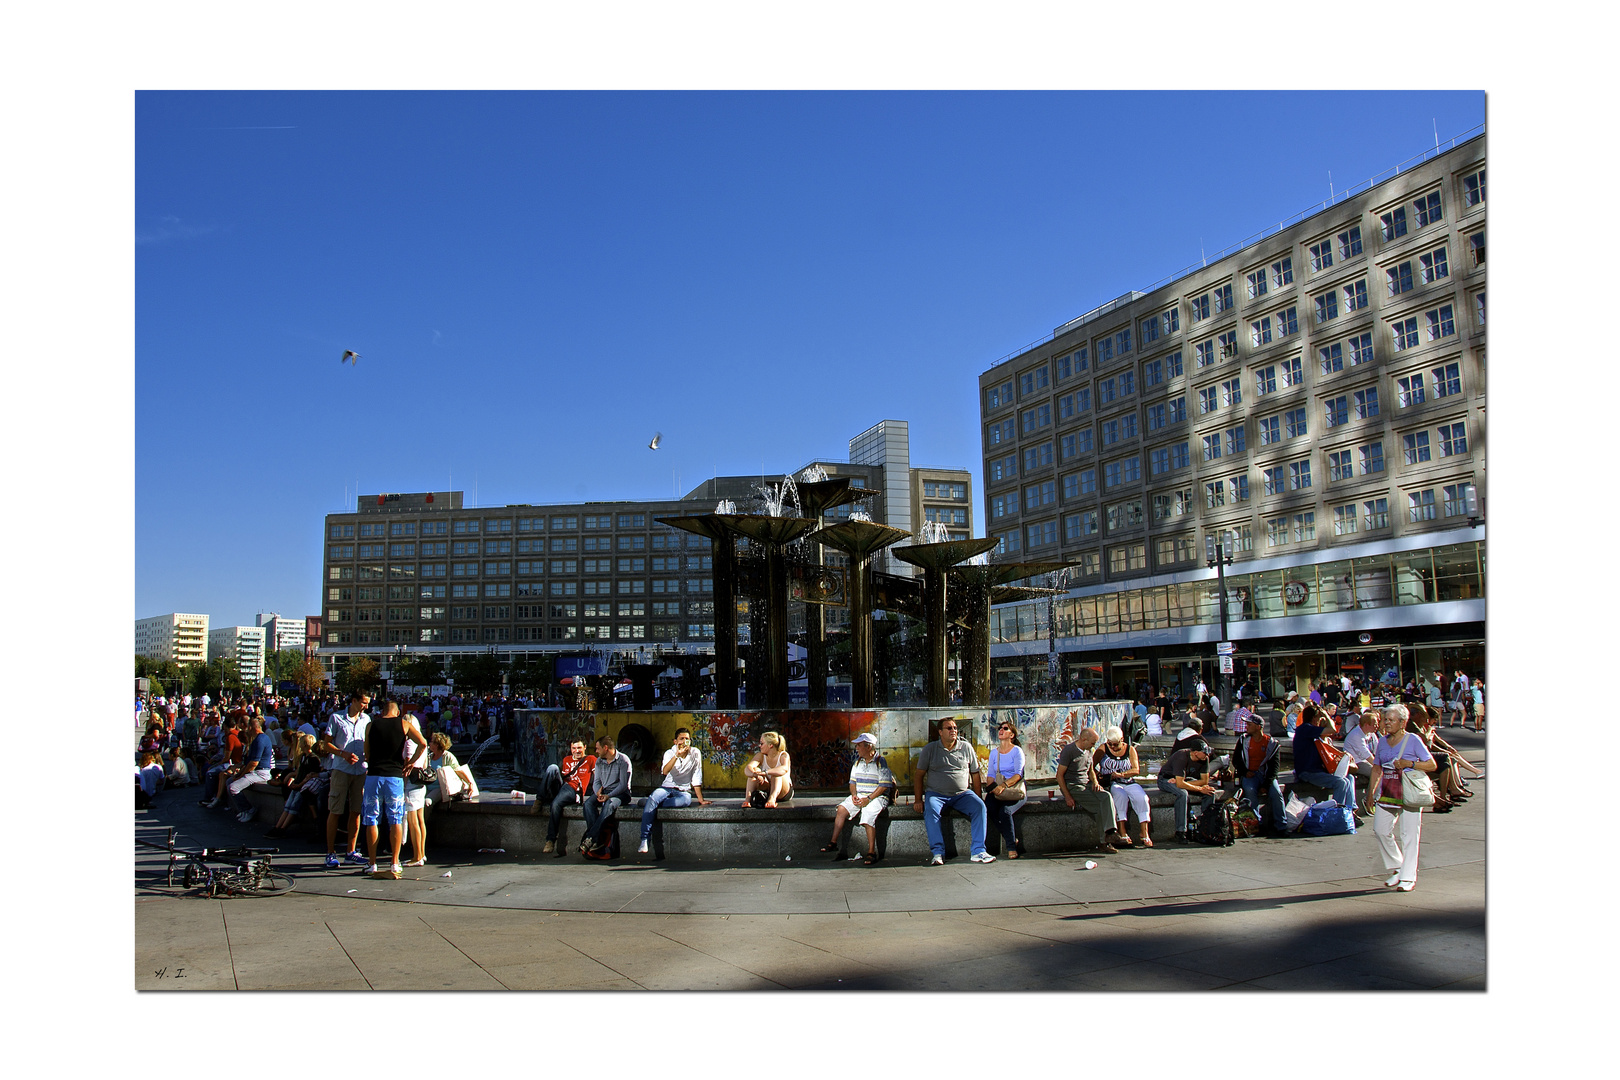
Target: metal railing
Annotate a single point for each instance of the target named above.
(1333, 199)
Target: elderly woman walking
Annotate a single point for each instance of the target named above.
(1397, 751)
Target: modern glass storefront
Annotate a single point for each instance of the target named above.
(1117, 643)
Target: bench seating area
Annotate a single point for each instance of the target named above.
(725, 834)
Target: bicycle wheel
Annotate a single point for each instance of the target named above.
(271, 883)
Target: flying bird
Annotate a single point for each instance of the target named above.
(658, 437)
(350, 357)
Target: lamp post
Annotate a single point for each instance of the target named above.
(1218, 555)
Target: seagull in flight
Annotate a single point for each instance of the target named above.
(350, 357)
(658, 437)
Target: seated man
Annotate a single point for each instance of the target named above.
(255, 769)
(943, 772)
(228, 755)
(177, 770)
(1255, 762)
(1360, 743)
(682, 784)
(1077, 774)
(1184, 771)
(871, 785)
(610, 789)
(562, 787)
(1313, 724)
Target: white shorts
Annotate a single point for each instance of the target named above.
(868, 814)
(247, 780)
(415, 797)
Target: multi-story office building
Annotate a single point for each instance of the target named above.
(178, 636)
(424, 572)
(1319, 394)
(244, 644)
(280, 632)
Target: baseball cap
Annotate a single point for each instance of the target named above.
(866, 737)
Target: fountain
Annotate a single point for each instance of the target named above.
(860, 539)
(935, 558)
(979, 586)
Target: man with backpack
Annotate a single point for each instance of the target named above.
(1175, 778)
(1254, 760)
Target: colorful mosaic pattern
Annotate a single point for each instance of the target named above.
(821, 742)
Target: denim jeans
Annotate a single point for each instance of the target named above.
(1004, 816)
(963, 802)
(1251, 790)
(673, 797)
(1343, 789)
(596, 813)
(1183, 796)
(554, 791)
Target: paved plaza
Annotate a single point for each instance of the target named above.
(1297, 914)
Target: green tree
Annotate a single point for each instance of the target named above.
(206, 678)
(418, 669)
(360, 673)
(531, 674)
(478, 674)
(282, 664)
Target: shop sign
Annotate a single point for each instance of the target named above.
(1296, 592)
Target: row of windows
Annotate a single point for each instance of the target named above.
(467, 635)
(1450, 440)
(1435, 324)
(1450, 573)
(487, 526)
(1342, 245)
(1369, 515)
(1442, 381)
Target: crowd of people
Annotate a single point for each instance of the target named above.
(372, 775)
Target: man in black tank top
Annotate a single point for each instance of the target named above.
(386, 762)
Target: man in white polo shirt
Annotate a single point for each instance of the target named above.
(871, 785)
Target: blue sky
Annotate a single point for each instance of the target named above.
(539, 281)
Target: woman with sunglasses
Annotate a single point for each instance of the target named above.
(1117, 768)
(1006, 772)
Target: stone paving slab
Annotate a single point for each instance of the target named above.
(1301, 914)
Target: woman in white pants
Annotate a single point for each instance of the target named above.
(1397, 751)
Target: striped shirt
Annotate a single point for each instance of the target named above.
(868, 776)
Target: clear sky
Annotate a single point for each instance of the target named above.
(537, 282)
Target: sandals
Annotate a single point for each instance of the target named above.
(1146, 841)
(1124, 842)
(868, 859)
(831, 847)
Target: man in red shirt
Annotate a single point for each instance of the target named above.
(219, 775)
(563, 787)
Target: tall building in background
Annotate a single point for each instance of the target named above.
(178, 636)
(421, 571)
(280, 632)
(245, 645)
(1319, 395)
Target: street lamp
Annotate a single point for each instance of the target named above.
(1218, 556)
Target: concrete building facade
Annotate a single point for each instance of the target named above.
(1319, 395)
(244, 644)
(422, 572)
(178, 636)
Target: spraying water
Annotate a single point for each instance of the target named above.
(725, 506)
(934, 532)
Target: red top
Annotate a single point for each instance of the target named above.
(576, 772)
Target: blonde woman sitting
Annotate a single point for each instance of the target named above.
(769, 772)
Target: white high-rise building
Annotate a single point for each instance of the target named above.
(244, 644)
(177, 636)
(280, 632)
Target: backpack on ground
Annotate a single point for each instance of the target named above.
(1215, 826)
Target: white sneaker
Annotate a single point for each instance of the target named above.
(395, 872)
(983, 856)
(1394, 880)
(245, 816)
(937, 860)
(642, 850)
(371, 871)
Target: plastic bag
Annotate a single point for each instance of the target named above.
(1294, 811)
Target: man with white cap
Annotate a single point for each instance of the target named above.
(871, 786)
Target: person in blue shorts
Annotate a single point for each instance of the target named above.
(383, 799)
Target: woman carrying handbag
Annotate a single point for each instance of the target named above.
(1006, 795)
(1397, 793)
